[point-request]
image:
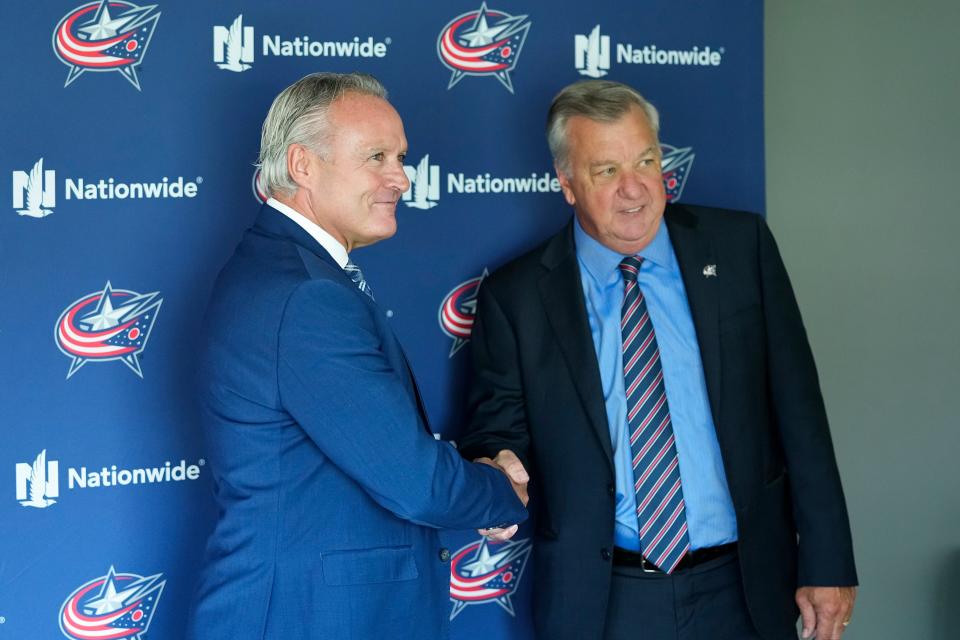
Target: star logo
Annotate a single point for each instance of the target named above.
(676, 165)
(256, 186)
(107, 325)
(103, 36)
(482, 43)
(117, 605)
(458, 310)
(480, 574)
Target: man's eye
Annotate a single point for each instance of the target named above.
(402, 157)
(377, 156)
(607, 171)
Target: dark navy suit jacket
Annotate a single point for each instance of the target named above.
(537, 391)
(329, 486)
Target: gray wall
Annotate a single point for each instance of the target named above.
(861, 129)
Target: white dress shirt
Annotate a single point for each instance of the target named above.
(327, 241)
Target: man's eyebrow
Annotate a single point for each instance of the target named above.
(651, 150)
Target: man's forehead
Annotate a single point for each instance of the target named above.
(631, 133)
(357, 108)
(369, 121)
(628, 113)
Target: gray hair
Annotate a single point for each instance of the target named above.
(299, 116)
(600, 100)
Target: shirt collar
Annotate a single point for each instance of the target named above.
(336, 250)
(601, 261)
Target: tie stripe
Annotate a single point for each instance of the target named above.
(661, 518)
(356, 275)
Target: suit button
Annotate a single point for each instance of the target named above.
(605, 554)
(612, 490)
(444, 555)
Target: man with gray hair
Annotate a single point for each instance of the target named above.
(329, 485)
(649, 367)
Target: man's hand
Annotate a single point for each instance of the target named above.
(507, 462)
(825, 611)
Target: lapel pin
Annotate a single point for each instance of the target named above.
(710, 271)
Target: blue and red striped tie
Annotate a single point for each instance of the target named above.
(656, 472)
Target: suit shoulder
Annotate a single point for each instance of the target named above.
(715, 217)
(525, 269)
(729, 227)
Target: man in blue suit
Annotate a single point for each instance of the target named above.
(329, 485)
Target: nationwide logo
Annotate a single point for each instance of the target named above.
(484, 42)
(479, 576)
(257, 187)
(592, 54)
(676, 165)
(108, 325)
(113, 606)
(458, 310)
(233, 46)
(38, 483)
(35, 190)
(424, 191)
(108, 35)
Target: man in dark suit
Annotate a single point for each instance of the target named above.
(329, 485)
(649, 367)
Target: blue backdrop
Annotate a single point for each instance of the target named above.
(129, 133)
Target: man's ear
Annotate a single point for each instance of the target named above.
(299, 164)
(565, 186)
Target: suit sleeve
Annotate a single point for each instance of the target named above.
(825, 545)
(498, 418)
(337, 383)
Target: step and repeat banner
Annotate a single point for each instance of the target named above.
(129, 133)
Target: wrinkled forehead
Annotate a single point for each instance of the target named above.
(627, 136)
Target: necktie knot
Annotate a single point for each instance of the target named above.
(356, 275)
(630, 267)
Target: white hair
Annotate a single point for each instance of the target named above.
(299, 116)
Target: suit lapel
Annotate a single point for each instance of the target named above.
(274, 223)
(695, 253)
(562, 295)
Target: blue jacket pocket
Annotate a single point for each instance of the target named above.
(369, 566)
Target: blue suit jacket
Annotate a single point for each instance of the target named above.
(328, 484)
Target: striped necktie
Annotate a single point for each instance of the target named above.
(656, 472)
(356, 275)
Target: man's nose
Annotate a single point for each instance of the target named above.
(397, 177)
(631, 185)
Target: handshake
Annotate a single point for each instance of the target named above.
(507, 462)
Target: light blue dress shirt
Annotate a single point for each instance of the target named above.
(711, 520)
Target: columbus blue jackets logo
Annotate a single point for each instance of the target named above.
(114, 606)
(457, 311)
(481, 574)
(103, 326)
(256, 185)
(107, 35)
(675, 165)
(483, 43)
